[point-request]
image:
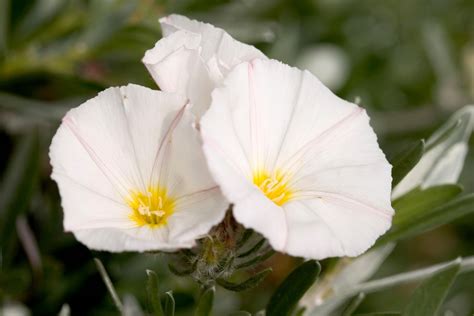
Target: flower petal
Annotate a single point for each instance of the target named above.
(193, 58)
(176, 66)
(126, 140)
(332, 226)
(215, 41)
(290, 124)
(115, 240)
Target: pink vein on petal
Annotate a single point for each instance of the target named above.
(95, 157)
(290, 162)
(164, 144)
(339, 197)
(254, 119)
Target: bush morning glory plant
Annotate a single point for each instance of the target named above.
(239, 156)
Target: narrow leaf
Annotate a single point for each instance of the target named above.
(168, 304)
(206, 300)
(428, 297)
(351, 308)
(444, 156)
(109, 284)
(406, 161)
(258, 259)
(244, 238)
(153, 293)
(251, 282)
(253, 249)
(415, 203)
(430, 220)
(287, 296)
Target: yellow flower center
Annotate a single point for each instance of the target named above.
(273, 185)
(151, 208)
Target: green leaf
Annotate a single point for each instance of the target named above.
(351, 308)
(444, 155)
(18, 185)
(428, 297)
(204, 306)
(153, 293)
(432, 219)
(415, 203)
(251, 282)
(38, 17)
(253, 249)
(105, 20)
(257, 259)
(286, 297)
(406, 161)
(244, 238)
(168, 304)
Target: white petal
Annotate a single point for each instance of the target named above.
(176, 66)
(332, 226)
(195, 214)
(279, 119)
(200, 204)
(128, 139)
(193, 58)
(116, 240)
(215, 41)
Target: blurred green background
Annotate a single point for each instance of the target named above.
(410, 63)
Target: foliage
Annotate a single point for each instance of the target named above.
(410, 63)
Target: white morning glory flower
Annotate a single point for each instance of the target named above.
(193, 57)
(300, 165)
(131, 172)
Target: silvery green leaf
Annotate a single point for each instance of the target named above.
(131, 307)
(65, 310)
(444, 157)
(428, 297)
(356, 271)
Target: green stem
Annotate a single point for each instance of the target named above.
(108, 284)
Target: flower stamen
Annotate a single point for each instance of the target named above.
(151, 208)
(274, 186)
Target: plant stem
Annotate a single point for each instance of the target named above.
(108, 284)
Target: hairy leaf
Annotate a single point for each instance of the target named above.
(428, 297)
(251, 282)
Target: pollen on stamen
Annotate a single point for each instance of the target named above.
(151, 208)
(274, 186)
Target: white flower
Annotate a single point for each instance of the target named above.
(131, 172)
(193, 58)
(300, 165)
